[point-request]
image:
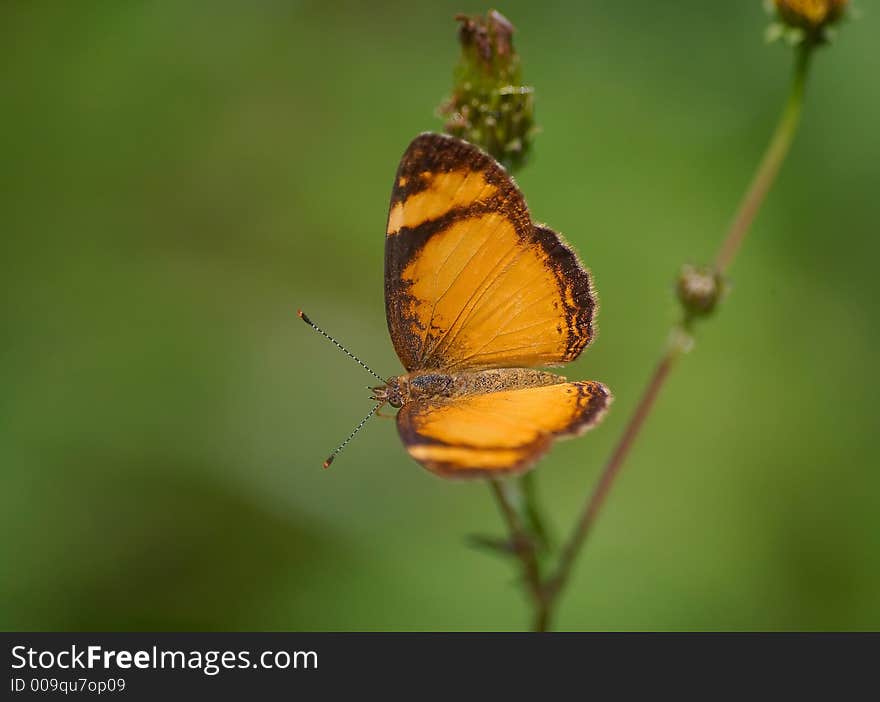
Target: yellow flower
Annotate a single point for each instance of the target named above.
(811, 15)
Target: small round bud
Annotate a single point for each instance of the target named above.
(699, 290)
(806, 20)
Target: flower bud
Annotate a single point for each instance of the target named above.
(806, 20)
(699, 290)
(489, 107)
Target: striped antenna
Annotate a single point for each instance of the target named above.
(302, 315)
(341, 446)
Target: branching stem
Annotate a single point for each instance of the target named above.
(524, 548)
(546, 593)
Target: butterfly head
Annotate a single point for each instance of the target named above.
(394, 391)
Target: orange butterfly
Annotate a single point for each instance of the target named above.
(476, 296)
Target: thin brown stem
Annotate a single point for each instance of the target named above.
(766, 173)
(612, 468)
(745, 215)
(524, 548)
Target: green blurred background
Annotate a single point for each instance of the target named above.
(178, 178)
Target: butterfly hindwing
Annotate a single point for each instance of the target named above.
(497, 433)
(470, 282)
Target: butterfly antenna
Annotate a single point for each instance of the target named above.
(302, 315)
(341, 446)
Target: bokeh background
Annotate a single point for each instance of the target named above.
(178, 178)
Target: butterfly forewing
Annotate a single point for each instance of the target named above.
(470, 282)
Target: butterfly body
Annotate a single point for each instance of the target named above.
(434, 385)
(477, 297)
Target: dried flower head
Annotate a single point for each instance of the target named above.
(489, 107)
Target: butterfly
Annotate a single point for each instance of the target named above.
(478, 298)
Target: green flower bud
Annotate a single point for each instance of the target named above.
(489, 107)
(699, 290)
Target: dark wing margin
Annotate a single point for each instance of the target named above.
(576, 287)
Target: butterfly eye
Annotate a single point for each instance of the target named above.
(390, 393)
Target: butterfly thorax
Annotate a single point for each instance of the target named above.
(419, 385)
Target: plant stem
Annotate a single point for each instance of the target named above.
(532, 512)
(606, 480)
(770, 164)
(745, 215)
(524, 548)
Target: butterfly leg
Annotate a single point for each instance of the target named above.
(385, 416)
